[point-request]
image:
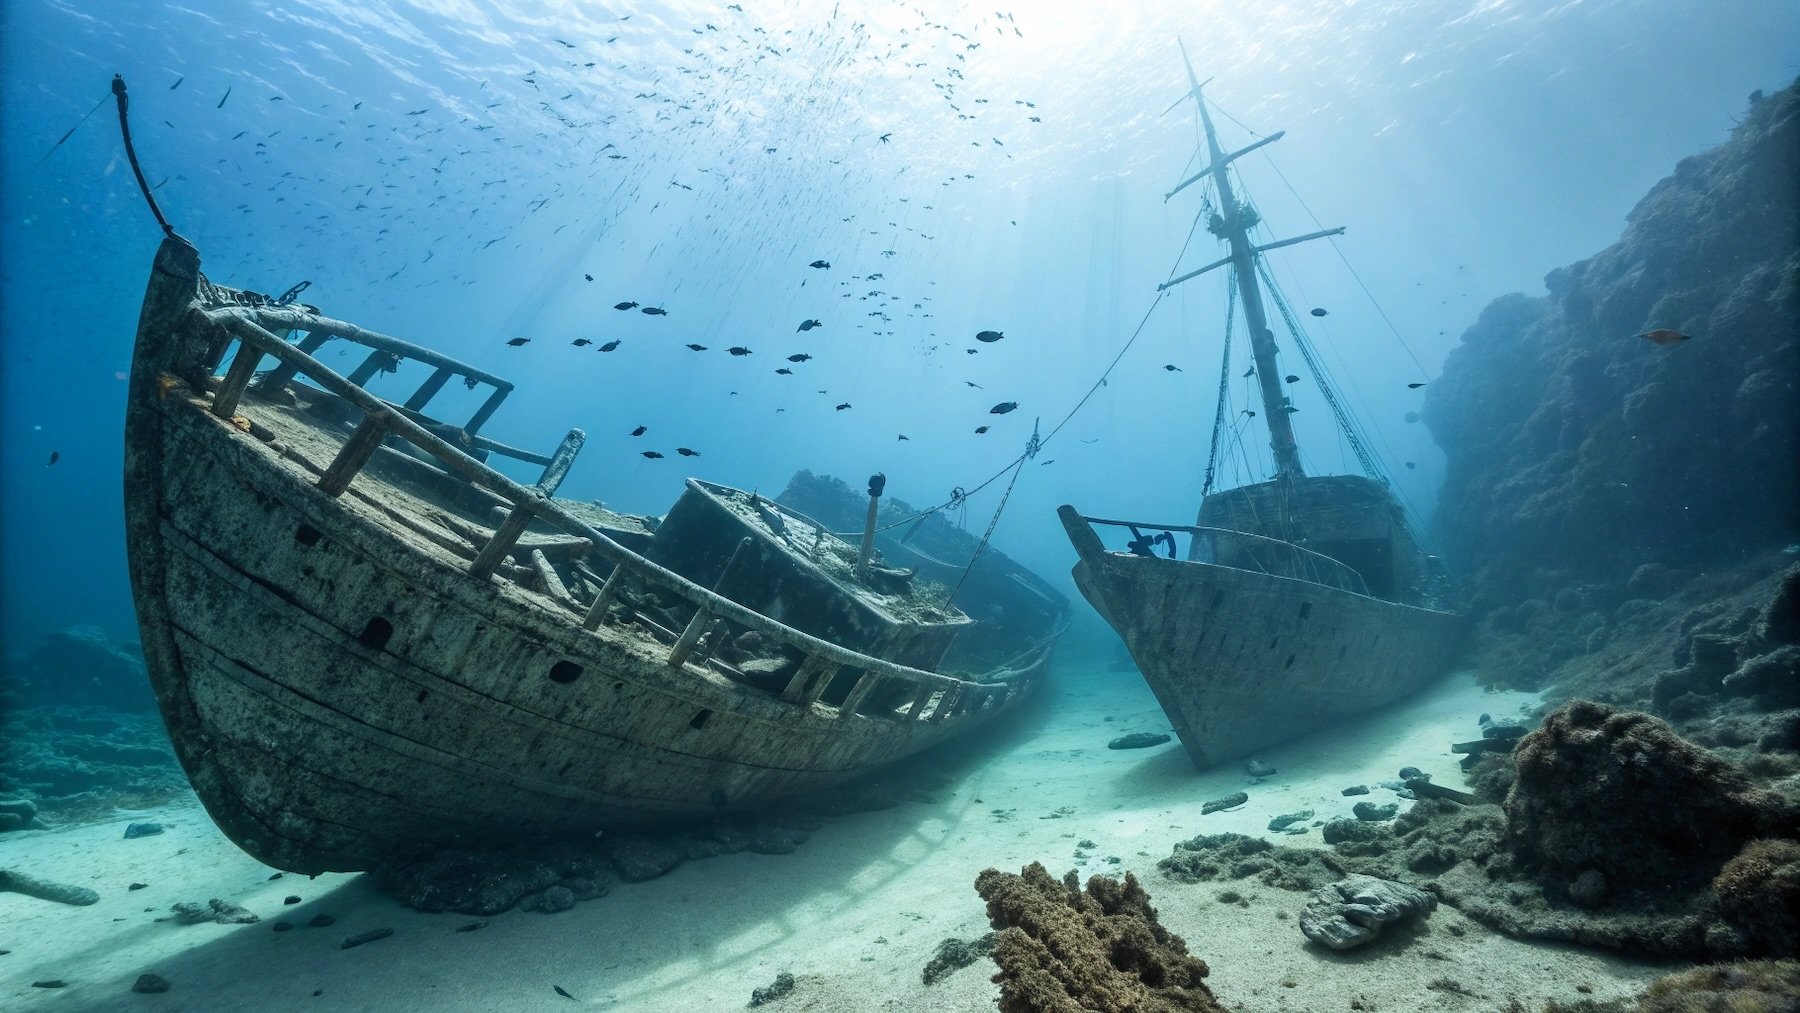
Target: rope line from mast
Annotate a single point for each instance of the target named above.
(1344, 421)
(1212, 453)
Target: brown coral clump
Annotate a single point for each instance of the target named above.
(1759, 892)
(1620, 792)
(1065, 950)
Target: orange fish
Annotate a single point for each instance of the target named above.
(1664, 336)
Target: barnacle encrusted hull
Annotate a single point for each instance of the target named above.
(343, 684)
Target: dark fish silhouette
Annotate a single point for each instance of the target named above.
(1003, 407)
(55, 456)
(799, 357)
(685, 452)
(981, 429)
(906, 437)
(843, 406)
(177, 83)
(1248, 413)
(974, 385)
(884, 138)
(1291, 378)
(807, 325)
(1414, 386)
(588, 277)
(738, 350)
(516, 342)
(989, 336)
(697, 348)
(581, 342)
(654, 311)
(610, 345)
(227, 95)
(1665, 337)
(641, 430)
(784, 371)
(1318, 311)
(1171, 367)
(653, 455)
(625, 306)
(822, 264)
(973, 351)
(559, 988)
(1409, 464)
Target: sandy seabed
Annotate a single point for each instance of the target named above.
(853, 915)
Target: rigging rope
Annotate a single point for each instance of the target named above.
(1212, 453)
(1344, 421)
(118, 90)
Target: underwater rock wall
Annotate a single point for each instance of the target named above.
(1579, 452)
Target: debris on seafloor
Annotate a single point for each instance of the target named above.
(1061, 947)
(1138, 740)
(14, 881)
(1354, 910)
(1225, 803)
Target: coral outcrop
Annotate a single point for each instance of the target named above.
(1062, 949)
(1619, 792)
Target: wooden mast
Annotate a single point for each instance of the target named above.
(1233, 225)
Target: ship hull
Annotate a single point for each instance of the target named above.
(341, 691)
(1242, 661)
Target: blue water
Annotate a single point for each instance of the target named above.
(442, 172)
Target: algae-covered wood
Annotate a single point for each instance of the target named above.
(398, 661)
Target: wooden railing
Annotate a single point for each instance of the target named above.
(823, 660)
(1245, 551)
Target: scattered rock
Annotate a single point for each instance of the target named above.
(290, 899)
(1138, 740)
(142, 830)
(364, 937)
(781, 986)
(550, 901)
(1062, 948)
(215, 910)
(1353, 911)
(1231, 801)
(150, 984)
(1257, 768)
(137, 886)
(1759, 892)
(50, 983)
(320, 921)
(1356, 789)
(1372, 813)
(1283, 822)
(955, 954)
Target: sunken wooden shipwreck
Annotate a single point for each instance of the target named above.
(367, 642)
(1250, 640)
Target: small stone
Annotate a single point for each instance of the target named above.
(1231, 801)
(150, 983)
(292, 898)
(1138, 740)
(50, 983)
(282, 926)
(365, 937)
(142, 830)
(1409, 773)
(1369, 812)
(783, 984)
(1356, 789)
(274, 876)
(1257, 768)
(137, 886)
(1288, 820)
(1352, 911)
(320, 921)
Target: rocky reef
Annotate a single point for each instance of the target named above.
(1592, 474)
(1062, 949)
(1602, 827)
